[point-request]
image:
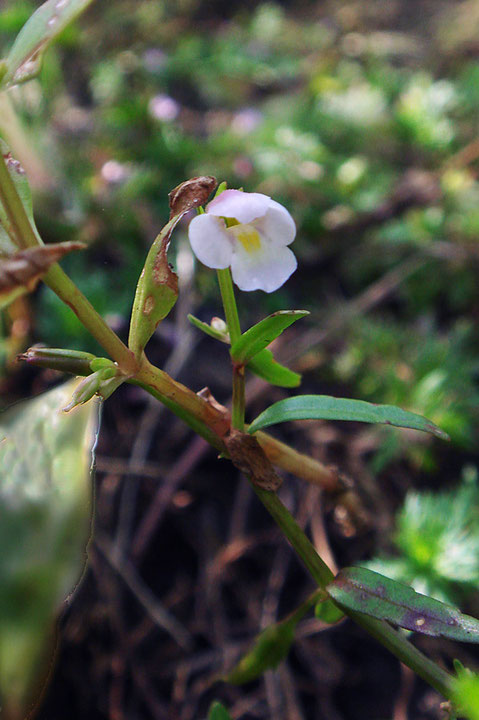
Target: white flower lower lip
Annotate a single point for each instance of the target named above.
(248, 232)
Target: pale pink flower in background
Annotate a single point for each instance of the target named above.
(248, 232)
(164, 107)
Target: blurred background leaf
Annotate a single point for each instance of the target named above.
(45, 516)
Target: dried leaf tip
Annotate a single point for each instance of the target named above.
(191, 194)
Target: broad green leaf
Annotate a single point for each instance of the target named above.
(466, 694)
(263, 333)
(218, 712)
(325, 407)
(157, 289)
(265, 366)
(19, 273)
(45, 523)
(373, 594)
(25, 58)
(8, 243)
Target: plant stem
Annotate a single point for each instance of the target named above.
(229, 304)
(232, 320)
(13, 206)
(238, 401)
(58, 281)
(202, 416)
(392, 639)
(318, 569)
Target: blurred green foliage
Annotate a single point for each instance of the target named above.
(437, 539)
(466, 694)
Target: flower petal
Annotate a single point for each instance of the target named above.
(277, 225)
(242, 206)
(266, 269)
(210, 242)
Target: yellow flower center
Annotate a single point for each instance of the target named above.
(247, 235)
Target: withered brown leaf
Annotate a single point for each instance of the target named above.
(20, 272)
(191, 194)
(248, 456)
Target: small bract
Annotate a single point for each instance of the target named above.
(248, 232)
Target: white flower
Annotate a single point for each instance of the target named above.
(248, 232)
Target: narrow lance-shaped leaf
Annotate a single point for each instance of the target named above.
(258, 337)
(262, 364)
(76, 362)
(210, 330)
(325, 407)
(20, 273)
(45, 516)
(272, 645)
(47, 22)
(373, 594)
(157, 288)
(265, 366)
(9, 243)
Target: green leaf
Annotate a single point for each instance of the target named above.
(76, 362)
(273, 644)
(466, 694)
(156, 292)
(209, 329)
(218, 712)
(328, 612)
(45, 523)
(270, 647)
(47, 22)
(263, 333)
(325, 407)
(373, 594)
(8, 241)
(265, 366)
(157, 288)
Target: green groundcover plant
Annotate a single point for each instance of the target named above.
(47, 444)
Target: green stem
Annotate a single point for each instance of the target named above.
(407, 653)
(203, 417)
(232, 320)
(392, 639)
(229, 304)
(58, 281)
(13, 206)
(318, 569)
